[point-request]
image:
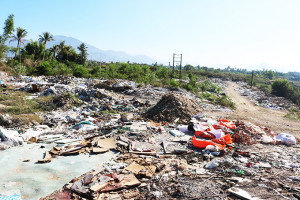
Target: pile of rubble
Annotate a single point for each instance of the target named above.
(180, 153)
(247, 165)
(172, 107)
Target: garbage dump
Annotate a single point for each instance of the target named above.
(205, 159)
(110, 143)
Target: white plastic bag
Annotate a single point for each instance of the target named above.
(286, 138)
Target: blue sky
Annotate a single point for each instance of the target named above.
(237, 33)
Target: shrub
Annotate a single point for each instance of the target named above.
(266, 88)
(225, 101)
(174, 83)
(44, 68)
(80, 71)
(211, 87)
(18, 70)
(281, 87)
(61, 69)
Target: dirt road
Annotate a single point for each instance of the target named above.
(247, 111)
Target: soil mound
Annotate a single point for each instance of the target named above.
(171, 107)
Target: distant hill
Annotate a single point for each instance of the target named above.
(104, 55)
(96, 54)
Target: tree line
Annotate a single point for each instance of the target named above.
(36, 51)
(34, 58)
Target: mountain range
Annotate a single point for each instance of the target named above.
(97, 54)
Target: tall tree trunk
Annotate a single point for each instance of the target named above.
(20, 54)
(16, 54)
(44, 51)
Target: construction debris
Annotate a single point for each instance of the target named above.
(160, 150)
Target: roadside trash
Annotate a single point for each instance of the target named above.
(176, 133)
(202, 144)
(196, 156)
(85, 126)
(226, 139)
(286, 138)
(267, 139)
(212, 164)
(226, 123)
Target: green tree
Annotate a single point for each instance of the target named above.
(281, 87)
(189, 67)
(54, 50)
(269, 74)
(68, 51)
(20, 37)
(7, 33)
(34, 49)
(61, 49)
(83, 53)
(46, 37)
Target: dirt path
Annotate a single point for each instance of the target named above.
(247, 111)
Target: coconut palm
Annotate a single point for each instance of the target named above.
(83, 52)
(68, 51)
(61, 49)
(46, 37)
(20, 35)
(54, 49)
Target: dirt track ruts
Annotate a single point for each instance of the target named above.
(247, 111)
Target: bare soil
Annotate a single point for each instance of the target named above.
(247, 111)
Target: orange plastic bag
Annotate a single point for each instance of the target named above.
(202, 144)
(223, 140)
(205, 134)
(226, 123)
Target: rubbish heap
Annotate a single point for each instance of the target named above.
(204, 159)
(171, 107)
(165, 149)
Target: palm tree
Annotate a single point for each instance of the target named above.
(46, 37)
(61, 49)
(83, 49)
(20, 35)
(67, 50)
(54, 49)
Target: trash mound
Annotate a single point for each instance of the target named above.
(106, 84)
(116, 85)
(171, 107)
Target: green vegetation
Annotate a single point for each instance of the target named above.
(36, 59)
(7, 33)
(20, 38)
(18, 103)
(294, 113)
(282, 87)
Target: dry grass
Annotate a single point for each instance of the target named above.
(27, 118)
(17, 103)
(5, 68)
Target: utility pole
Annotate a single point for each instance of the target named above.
(100, 67)
(177, 60)
(180, 77)
(252, 78)
(173, 65)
